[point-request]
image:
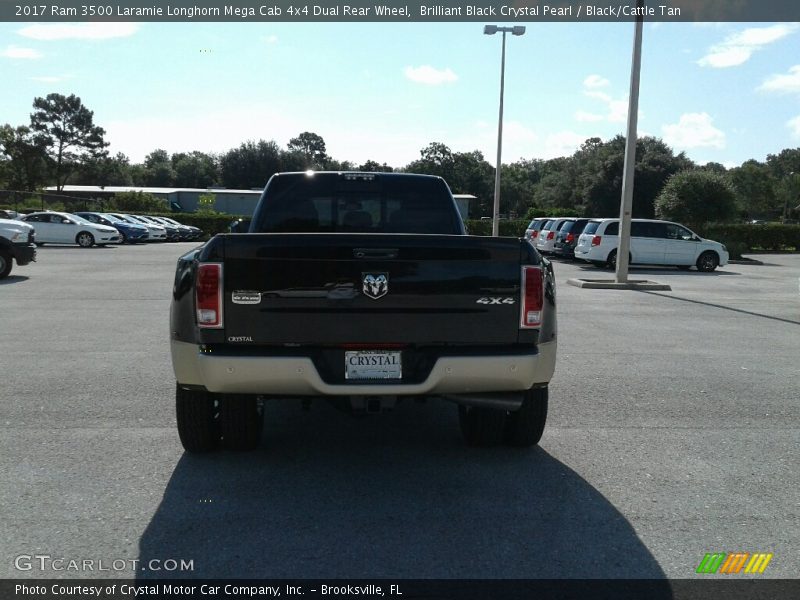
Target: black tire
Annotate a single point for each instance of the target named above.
(6, 263)
(481, 427)
(198, 420)
(524, 427)
(242, 419)
(707, 261)
(122, 238)
(611, 261)
(684, 267)
(84, 239)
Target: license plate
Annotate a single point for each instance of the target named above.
(372, 364)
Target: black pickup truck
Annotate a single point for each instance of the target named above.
(363, 289)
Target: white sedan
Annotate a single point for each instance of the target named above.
(64, 228)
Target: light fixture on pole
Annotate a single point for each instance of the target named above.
(491, 30)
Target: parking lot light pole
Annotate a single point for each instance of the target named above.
(626, 203)
(491, 30)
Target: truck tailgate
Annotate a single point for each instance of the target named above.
(352, 289)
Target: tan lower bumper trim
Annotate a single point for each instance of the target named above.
(298, 376)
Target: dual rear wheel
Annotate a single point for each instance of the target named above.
(209, 421)
(522, 428)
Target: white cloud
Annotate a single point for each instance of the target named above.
(587, 117)
(694, 130)
(737, 48)
(270, 39)
(17, 52)
(428, 75)
(563, 143)
(598, 96)
(794, 126)
(595, 81)
(79, 31)
(783, 83)
(221, 130)
(518, 140)
(617, 110)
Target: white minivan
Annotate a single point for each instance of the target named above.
(652, 243)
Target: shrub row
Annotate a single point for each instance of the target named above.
(741, 238)
(211, 224)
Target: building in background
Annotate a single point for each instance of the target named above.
(463, 200)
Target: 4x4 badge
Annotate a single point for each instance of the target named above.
(375, 285)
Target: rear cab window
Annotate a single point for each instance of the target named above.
(331, 203)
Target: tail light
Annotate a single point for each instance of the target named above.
(535, 234)
(551, 235)
(570, 238)
(532, 298)
(208, 295)
(596, 240)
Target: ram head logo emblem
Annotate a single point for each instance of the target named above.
(375, 285)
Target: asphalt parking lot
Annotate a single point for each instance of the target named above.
(673, 432)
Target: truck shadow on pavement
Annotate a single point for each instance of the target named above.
(14, 279)
(397, 495)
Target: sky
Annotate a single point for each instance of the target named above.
(721, 92)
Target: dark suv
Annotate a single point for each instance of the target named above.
(567, 237)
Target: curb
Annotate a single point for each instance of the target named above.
(610, 284)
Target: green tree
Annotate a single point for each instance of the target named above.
(600, 165)
(339, 165)
(697, 197)
(65, 127)
(755, 190)
(312, 147)
(785, 167)
(435, 159)
(158, 171)
(472, 174)
(23, 159)
(194, 170)
(104, 170)
(250, 165)
(715, 167)
(559, 186)
(518, 184)
(372, 166)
